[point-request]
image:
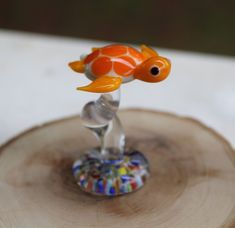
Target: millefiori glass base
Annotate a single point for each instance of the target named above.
(114, 175)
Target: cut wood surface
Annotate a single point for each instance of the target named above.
(192, 181)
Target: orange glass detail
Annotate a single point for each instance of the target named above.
(91, 57)
(114, 50)
(124, 66)
(78, 66)
(148, 52)
(103, 84)
(129, 60)
(101, 66)
(135, 54)
(154, 69)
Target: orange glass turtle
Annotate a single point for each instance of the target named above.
(110, 66)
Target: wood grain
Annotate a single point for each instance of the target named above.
(192, 181)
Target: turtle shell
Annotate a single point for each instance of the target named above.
(113, 60)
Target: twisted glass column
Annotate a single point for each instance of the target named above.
(108, 169)
(100, 117)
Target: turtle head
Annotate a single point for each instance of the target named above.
(154, 69)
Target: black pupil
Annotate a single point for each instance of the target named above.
(154, 70)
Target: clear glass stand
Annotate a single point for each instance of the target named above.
(108, 169)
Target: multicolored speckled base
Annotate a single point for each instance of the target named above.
(112, 176)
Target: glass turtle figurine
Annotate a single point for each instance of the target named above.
(110, 66)
(111, 169)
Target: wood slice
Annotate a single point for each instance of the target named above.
(192, 181)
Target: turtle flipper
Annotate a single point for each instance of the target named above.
(95, 48)
(103, 84)
(147, 51)
(77, 66)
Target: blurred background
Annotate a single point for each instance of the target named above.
(39, 86)
(202, 25)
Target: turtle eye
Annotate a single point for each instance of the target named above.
(154, 71)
